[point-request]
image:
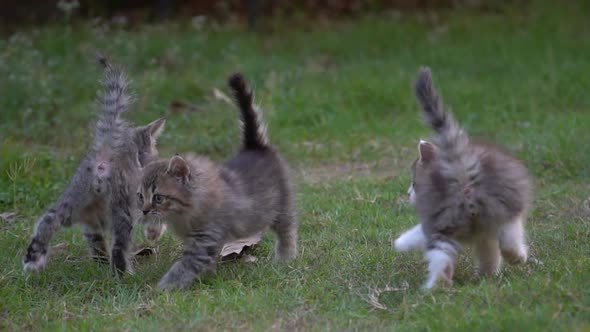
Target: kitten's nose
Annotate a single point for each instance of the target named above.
(146, 212)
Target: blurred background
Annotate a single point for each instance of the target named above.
(139, 11)
(334, 79)
(333, 76)
(336, 71)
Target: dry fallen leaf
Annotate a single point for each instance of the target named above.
(237, 249)
(7, 216)
(375, 293)
(237, 246)
(144, 251)
(219, 95)
(177, 106)
(229, 251)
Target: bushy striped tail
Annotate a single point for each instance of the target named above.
(451, 138)
(113, 100)
(253, 127)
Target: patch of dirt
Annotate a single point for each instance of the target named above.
(332, 171)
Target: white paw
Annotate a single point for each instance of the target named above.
(37, 265)
(440, 268)
(412, 239)
(428, 285)
(402, 244)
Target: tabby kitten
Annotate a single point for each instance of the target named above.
(464, 192)
(101, 194)
(207, 205)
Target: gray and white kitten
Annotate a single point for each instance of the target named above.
(101, 193)
(464, 192)
(208, 204)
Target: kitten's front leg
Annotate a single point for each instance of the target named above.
(411, 240)
(122, 227)
(199, 254)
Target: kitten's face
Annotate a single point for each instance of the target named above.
(145, 138)
(162, 194)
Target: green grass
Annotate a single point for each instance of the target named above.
(338, 99)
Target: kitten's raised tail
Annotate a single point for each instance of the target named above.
(113, 100)
(254, 128)
(451, 138)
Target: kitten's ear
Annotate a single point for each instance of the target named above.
(156, 128)
(427, 152)
(178, 168)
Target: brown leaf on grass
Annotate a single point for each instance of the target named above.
(232, 250)
(238, 247)
(7, 216)
(219, 95)
(145, 251)
(177, 106)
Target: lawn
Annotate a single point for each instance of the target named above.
(338, 99)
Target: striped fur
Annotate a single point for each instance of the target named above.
(464, 192)
(101, 194)
(208, 204)
(450, 138)
(114, 100)
(253, 127)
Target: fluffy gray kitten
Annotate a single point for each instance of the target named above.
(101, 193)
(464, 192)
(207, 204)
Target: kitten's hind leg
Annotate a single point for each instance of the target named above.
(97, 244)
(47, 225)
(286, 227)
(441, 254)
(411, 240)
(488, 255)
(122, 227)
(200, 251)
(512, 242)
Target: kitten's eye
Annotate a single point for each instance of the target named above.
(158, 199)
(140, 197)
